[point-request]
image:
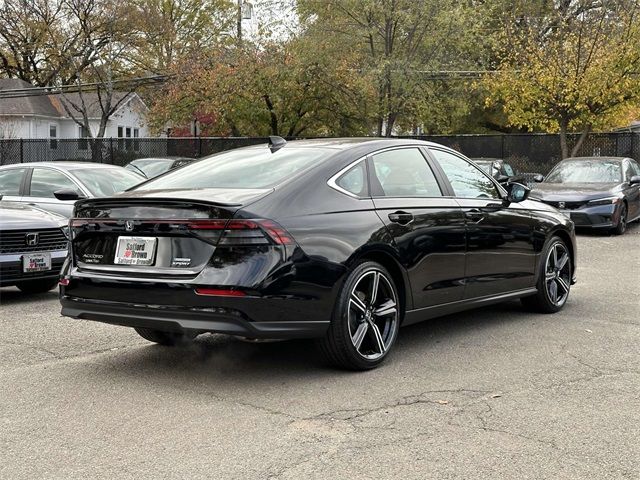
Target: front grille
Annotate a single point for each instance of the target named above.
(567, 205)
(13, 271)
(15, 241)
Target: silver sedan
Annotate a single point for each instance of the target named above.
(37, 183)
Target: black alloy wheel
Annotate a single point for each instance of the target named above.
(554, 278)
(366, 319)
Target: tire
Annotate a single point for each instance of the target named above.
(362, 332)
(554, 275)
(168, 339)
(622, 223)
(37, 286)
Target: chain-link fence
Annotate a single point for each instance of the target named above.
(534, 152)
(526, 152)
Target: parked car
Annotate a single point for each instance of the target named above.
(340, 239)
(503, 171)
(36, 183)
(152, 167)
(595, 192)
(33, 247)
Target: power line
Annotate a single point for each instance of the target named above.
(84, 87)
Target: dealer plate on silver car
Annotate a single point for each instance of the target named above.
(135, 251)
(36, 262)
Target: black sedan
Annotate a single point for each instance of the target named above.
(153, 167)
(343, 240)
(595, 192)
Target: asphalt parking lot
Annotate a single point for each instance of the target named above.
(494, 393)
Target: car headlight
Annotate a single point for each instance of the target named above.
(604, 201)
(67, 232)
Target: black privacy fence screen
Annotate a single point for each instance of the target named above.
(526, 152)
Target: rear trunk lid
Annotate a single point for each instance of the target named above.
(157, 233)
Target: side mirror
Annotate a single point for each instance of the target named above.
(538, 178)
(502, 178)
(516, 192)
(635, 180)
(67, 194)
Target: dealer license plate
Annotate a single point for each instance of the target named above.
(36, 262)
(135, 251)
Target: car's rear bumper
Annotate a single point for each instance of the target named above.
(193, 320)
(11, 271)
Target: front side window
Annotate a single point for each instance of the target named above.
(10, 180)
(403, 172)
(354, 180)
(45, 181)
(466, 180)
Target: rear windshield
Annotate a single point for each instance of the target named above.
(586, 171)
(103, 182)
(242, 168)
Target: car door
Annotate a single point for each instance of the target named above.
(42, 184)
(632, 192)
(11, 183)
(427, 228)
(500, 251)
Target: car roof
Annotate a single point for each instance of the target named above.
(144, 159)
(604, 159)
(62, 165)
(352, 142)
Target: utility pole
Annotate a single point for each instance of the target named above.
(239, 20)
(245, 12)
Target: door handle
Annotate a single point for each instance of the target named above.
(403, 218)
(474, 214)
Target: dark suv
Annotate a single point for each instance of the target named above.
(33, 247)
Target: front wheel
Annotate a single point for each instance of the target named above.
(168, 339)
(365, 320)
(554, 278)
(622, 223)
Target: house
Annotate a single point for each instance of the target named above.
(45, 117)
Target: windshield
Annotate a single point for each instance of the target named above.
(242, 168)
(152, 167)
(586, 171)
(102, 182)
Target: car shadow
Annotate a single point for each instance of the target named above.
(211, 359)
(11, 295)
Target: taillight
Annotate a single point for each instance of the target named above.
(244, 232)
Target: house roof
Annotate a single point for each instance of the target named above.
(50, 105)
(35, 105)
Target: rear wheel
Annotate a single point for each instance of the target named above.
(37, 286)
(622, 223)
(168, 339)
(365, 320)
(554, 278)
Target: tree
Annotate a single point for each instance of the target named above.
(569, 68)
(170, 30)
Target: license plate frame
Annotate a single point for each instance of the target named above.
(135, 256)
(36, 262)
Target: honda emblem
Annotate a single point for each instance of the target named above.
(32, 239)
(128, 225)
(561, 204)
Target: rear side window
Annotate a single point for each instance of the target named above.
(466, 180)
(403, 173)
(45, 181)
(354, 180)
(243, 168)
(10, 181)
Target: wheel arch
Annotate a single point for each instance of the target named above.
(398, 273)
(566, 238)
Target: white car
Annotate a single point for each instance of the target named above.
(37, 183)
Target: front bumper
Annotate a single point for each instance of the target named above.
(11, 272)
(191, 321)
(598, 216)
